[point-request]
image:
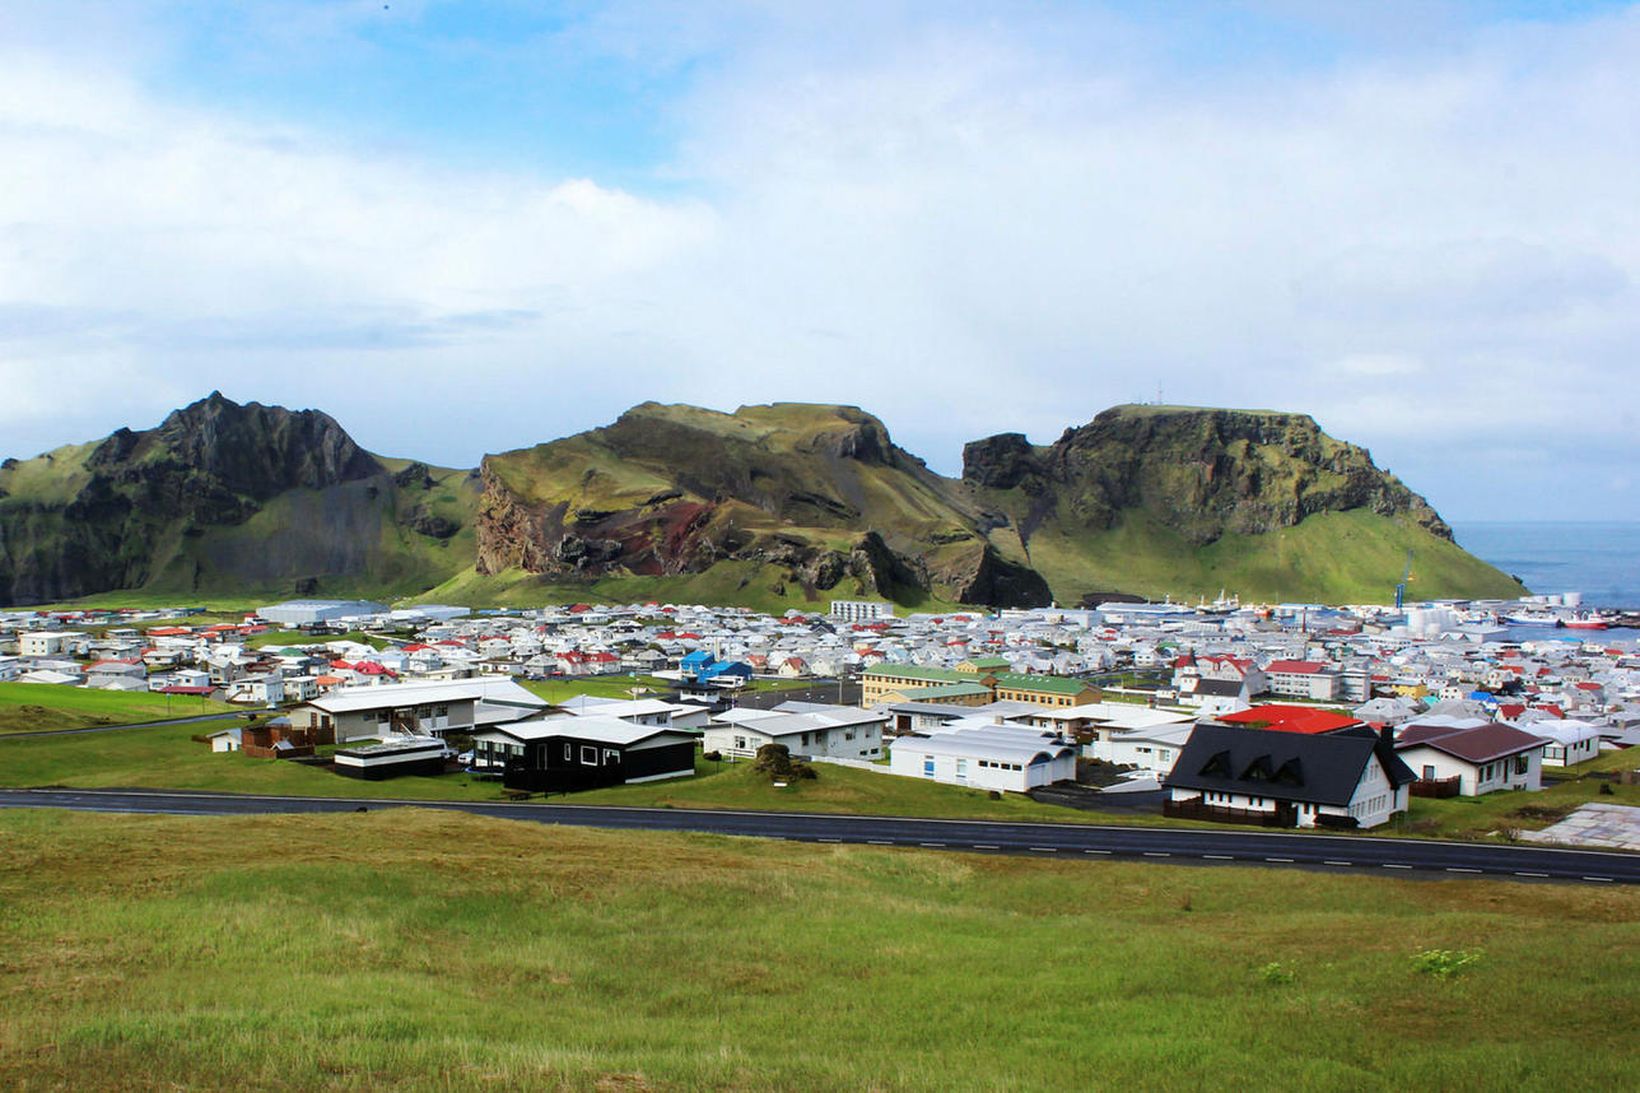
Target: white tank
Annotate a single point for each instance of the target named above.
(1572, 599)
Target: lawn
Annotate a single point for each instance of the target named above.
(297, 637)
(166, 758)
(1498, 815)
(422, 950)
(28, 707)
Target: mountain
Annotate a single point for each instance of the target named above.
(228, 499)
(787, 504)
(770, 506)
(1190, 500)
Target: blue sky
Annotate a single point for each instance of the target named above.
(462, 227)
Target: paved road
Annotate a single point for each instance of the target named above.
(238, 715)
(1352, 854)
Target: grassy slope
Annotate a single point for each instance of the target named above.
(1340, 557)
(28, 707)
(472, 952)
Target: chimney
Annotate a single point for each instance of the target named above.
(1386, 737)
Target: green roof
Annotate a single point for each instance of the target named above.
(987, 662)
(1060, 685)
(946, 690)
(919, 671)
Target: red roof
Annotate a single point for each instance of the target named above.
(1281, 718)
(1295, 667)
(175, 690)
(1587, 685)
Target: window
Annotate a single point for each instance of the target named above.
(612, 755)
(1522, 764)
(589, 756)
(569, 751)
(928, 766)
(441, 711)
(962, 768)
(740, 743)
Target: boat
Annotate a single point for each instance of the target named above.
(1585, 622)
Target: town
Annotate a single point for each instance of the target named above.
(1291, 716)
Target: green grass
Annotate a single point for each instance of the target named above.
(1335, 557)
(27, 707)
(1497, 815)
(429, 951)
(296, 637)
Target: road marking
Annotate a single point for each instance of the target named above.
(1287, 860)
(1157, 854)
(1046, 849)
(1334, 861)
(1096, 851)
(1518, 873)
(1460, 869)
(1220, 857)
(831, 840)
(880, 842)
(1388, 865)
(986, 846)
(930, 844)
(1602, 880)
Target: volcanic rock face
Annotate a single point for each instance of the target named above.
(1203, 473)
(211, 464)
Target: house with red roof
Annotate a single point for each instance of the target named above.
(1277, 717)
(1309, 679)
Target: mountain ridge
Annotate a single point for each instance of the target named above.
(771, 505)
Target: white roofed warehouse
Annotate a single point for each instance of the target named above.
(999, 757)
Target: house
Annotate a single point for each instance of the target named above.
(1303, 679)
(1213, 696)
(808, 729)
(1468, 762)
(1277, 717)
(224, 740)
(49, 643)
(1153, 750)
(275, 739)
(417, 709)
(1285, 779)
(998, 757)
(1569, 742)
(562, 754)
(261, 690)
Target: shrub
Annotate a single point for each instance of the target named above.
(1606, 789)
(1277, 974)
(1445, 963)
(713, 757)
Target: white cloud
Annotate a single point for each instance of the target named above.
(965, 225)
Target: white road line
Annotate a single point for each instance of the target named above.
(1287, 860)
(1157, 854)
(1461, 869)
(1220, 857)
(1046, 849)
(830, 840)
(1096, 851)
(880, 842)
(930, 844)
(1602, 880)
(1388, 865)
(1334, 861)
(986, 846)
(1518, 873)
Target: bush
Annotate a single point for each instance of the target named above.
(713, 757)
(1277, 974)
(1445, 963)
(776, 761)
(1606, 789)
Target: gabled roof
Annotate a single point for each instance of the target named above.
(1322, 770)
(1481, 744)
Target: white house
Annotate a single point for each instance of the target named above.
(999, 757)
(835, 732)
(1569, 742)
(1480, 759)
(417, 709)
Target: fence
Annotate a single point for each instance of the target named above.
(1196, 809)
(1436, 787)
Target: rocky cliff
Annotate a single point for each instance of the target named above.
(218, 496)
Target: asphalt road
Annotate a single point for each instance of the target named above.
(1353, 854)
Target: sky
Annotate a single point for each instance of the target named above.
(468, 227)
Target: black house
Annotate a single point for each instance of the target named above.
(563, 754)
(1351, 778)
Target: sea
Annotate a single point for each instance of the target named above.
(1599, 560)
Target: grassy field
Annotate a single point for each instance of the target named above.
(27, 707)
(421, 950)
(166, 758)
(296, 637)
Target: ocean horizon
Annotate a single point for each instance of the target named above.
(1598, 559)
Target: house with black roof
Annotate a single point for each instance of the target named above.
(561, 754)
(1345, 779)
